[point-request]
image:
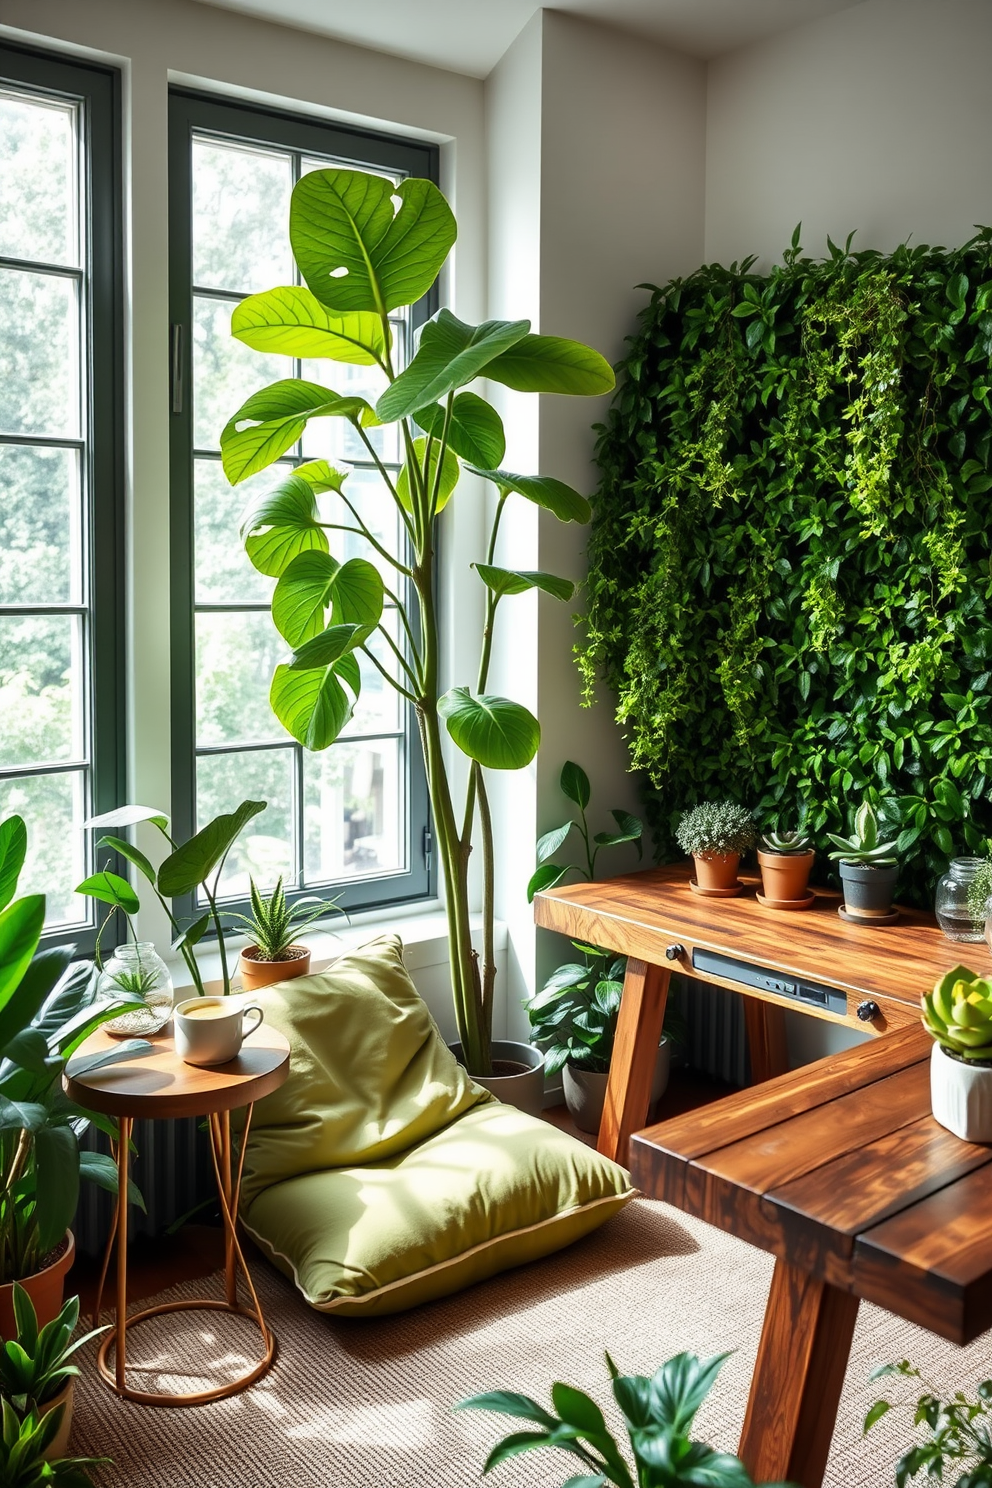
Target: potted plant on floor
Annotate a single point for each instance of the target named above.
(574, 1019)
(367, 246)
(715, 835)
(35, 1372)
(25, 1444)
(786, 861)
(868, 870)
(958, 1016)
(273, 955)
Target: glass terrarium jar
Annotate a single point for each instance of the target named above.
(138, 969)
(951, 905)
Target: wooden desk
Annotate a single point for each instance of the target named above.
(660, 925)
(840, 1171)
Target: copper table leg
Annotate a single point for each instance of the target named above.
(229, 1192)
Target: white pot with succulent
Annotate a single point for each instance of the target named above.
(958, 1016)
(716, 835)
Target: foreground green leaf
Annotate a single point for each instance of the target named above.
(517, 581)
(553, 495)
(450, 471)
(551, 364)
(291, 321)
(475, 430)
(451, 354)
(192, 863)
(272, 420)
(282, 524)
(13, 848)
(498, 733)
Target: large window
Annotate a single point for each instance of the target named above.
(61, 590)
(353, 818)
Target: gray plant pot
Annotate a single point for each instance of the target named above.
(524, 1090)
(585, 1090)
(868, 890)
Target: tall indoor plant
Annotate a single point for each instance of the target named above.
(366, 247)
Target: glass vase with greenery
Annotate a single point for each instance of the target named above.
(365, 247)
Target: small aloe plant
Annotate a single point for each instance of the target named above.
(274, 923)
(785, 843)
(864, 846)
(958, 1014)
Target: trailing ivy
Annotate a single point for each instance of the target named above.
(790, 586)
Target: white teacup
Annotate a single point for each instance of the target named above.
(210, 1030)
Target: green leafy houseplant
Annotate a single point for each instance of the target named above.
(273, 924)
(47, 1009)
(23, 1444)
(958, 1433)
(716, 829)
(195, 864)
(789, 560)
(35, 1367)
(574, 785)
(366, 247)
(658, 1412)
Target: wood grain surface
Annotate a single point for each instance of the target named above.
(635, 1054)
(161, 1085)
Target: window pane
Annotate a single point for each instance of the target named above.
(225, 372)
(223, 572)
(40, 525)
(376, 509)
(263, 850)
(54, 809)
(378, 708)
(39, 354)
(240, 217)
(354, 811)
(41, 672)
(38, 211)
(236, 654)
(334, 438)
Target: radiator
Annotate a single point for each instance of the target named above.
(717, 1043)
(172, 1168)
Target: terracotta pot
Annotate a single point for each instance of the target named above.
(585, 1090)
(256, 973)
(717, 870)
(60, 1446)
(785, 876)
(523, 1086)
(45, 1288)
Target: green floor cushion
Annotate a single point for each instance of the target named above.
(492, 1189)
(379, 1175)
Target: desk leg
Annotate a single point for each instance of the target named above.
(635, 1054)
(120, 1339)
(765, 1024)
(802, 1357)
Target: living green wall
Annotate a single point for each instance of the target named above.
(790, 585)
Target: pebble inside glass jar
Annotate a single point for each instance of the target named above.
(960, 912)
(139, 971)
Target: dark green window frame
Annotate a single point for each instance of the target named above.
(203, 114)
(97, 90)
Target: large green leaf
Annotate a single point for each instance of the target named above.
(357, 594)
(574, 783)
(475, 430)
(364, 243)
(313, 705)
(550, 364)
(328, 647)
(129, 816)
(110, 888)
(315, 580)
(21, 925)
(13, 847)
(282, 524)
(500, 734)
(450, 471)
(516, 581)
(450, 355)
(553, 495)
(188, 867)
(131, 853)
(292, 321)
(22, 1004)
(56, 1158)
(272, 419)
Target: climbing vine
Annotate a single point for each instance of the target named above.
(790, 586)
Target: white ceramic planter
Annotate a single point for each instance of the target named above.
(524, 1090)
(961, 1097)
(585, 1090)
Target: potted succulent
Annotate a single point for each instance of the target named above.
(958, 1016)
(868, 870)
(715, 835)
(35, 1373)
(786, 861)
(273, 956)
(574, 1018)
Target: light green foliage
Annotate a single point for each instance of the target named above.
(958, 1013)
(716, 828)
(957, 1431)
(657, 1412)
(980, 892)
(789, 582)
(366, 246)
(274, 923)
(864, 844)
(35, 1366)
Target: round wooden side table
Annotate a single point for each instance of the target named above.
(160, 1085)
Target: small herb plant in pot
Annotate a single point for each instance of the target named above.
(958, 1016)
(716, 835)
(272, 925)
(35, 1372)
(786, 860)
(868, 869)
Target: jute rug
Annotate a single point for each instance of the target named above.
(368, 1404)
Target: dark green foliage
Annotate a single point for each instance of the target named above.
(789, 584)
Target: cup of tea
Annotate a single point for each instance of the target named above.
(210, 1030)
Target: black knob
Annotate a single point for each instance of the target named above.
(868, 1011)
(673, 952)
